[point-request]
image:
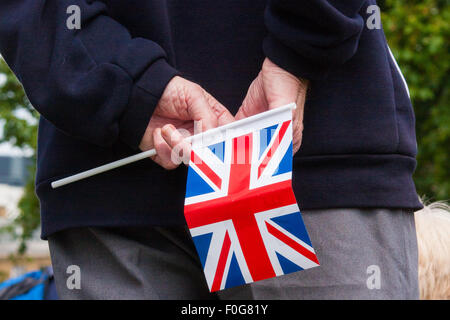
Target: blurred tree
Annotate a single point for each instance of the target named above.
(418, 33)
(19, 121)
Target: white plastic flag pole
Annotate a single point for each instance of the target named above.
(152, 152)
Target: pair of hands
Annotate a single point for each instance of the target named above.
(185, 104)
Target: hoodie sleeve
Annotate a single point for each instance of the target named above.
(309, 37)
(96, 83)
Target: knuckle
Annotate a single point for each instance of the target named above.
(180, 98)
(193, 97)
(195, 87)
(159, 145)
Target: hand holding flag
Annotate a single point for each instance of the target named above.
(240, 206)
(274, 87)
(183, 104)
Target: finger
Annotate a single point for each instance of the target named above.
(297, 134)
(281, 86)
(285, 92)
(297, 120)
(199, 109)
(254, 102)
(240, 115)
(300, 101)
(222, 113)
(180, 148)
(297, 113)
(163, 150)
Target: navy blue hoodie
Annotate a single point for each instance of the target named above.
(96, 88)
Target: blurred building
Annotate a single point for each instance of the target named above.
(14, 170)
(13, 176)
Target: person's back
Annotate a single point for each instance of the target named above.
(98, 86)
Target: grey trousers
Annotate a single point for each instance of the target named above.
(364, 254)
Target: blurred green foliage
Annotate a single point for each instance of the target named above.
(19, 120)
(418, 33)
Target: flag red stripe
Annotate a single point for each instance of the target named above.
(248, 202)
(241, 206)
(221, 264)
(273, 148)
(206, 169)
(290, 242)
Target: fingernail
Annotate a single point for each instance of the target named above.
(168, 128)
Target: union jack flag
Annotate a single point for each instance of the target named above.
(240, 206)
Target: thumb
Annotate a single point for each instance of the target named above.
(286, 92)
(280, 86)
